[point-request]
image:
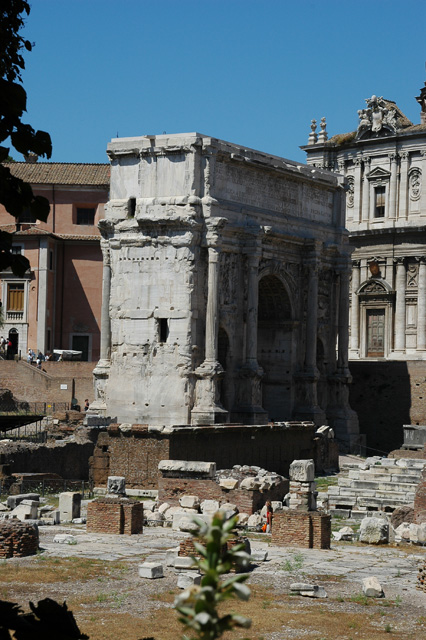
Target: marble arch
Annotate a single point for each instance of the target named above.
(193, 227)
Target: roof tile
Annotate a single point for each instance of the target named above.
(61, 173)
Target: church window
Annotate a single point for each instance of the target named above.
(15, 297)
(379, 202)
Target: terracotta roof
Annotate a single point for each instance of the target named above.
(36, 231)
(61, 173)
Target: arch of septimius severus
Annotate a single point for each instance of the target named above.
(225, 288)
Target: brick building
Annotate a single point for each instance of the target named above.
(57, 304)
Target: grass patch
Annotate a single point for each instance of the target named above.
(323, 482)
(45, 570)
(293, 564)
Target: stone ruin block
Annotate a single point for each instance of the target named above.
(116, 485)
(14, 501)
(69, 506)
(185, 468)
(302, 471)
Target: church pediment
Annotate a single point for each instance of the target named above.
(374, 286)
(379, 173)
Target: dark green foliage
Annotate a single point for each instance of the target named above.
(15, 194)
(47, 621)
(198, 606)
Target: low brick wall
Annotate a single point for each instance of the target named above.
(310, 530)
(115, 515)
(171, 489)
(136, 453)
(187, 549)
(17, 539)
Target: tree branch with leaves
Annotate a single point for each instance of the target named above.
(16, 195)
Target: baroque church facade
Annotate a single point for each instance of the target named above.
(384, 165)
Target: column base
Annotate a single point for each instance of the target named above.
(207, 409)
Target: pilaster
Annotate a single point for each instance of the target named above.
(355, 308)
(357, 188)
(421, 306)
(102, 369)
(399, 343)
(403, 186)
(207, 409)
(366, 190)
(393, 157)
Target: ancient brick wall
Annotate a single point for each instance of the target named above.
(17, 539)
(387, 395)
(272, 448)
(171, 489)
(28, 383)
(310, 530)
(136, 453)
(114, 515)
(68, 460)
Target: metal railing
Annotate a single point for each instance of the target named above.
(11, 407)
(51, 486)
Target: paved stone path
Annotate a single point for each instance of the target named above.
(395, 567)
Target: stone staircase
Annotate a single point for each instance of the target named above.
(376, 484)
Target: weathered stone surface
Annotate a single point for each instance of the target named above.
(151, 570)
(209, 506)
(302, 471)
(171, 556)
(308, 590)
(243, 519)
(163, 507)
(372, 588)
(154, 518)
(259, 556)
(187, 524)
(116, 485)
(183, 563)
(228, 509)
(187, 579)
(65, 538)
(25, 511)
(374, 531)
(13, 501)
(168, 185)
(190, 502)
(69, 505)
(250, 484)
(254, 520)
(345, 533)
(186, 467)
(228, 483)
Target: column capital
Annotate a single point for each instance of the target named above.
(423, 153)
(404, 155)
(366, 160)
(356, 264)
(392, 156)
(399, 260)
(357, 160)
(214, 227)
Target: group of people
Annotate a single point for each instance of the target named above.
(6, 347)
(39, 358)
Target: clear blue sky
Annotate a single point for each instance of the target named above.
(253, 72)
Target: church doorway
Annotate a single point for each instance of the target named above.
(274, 348)
(14, 339)
(376, 333)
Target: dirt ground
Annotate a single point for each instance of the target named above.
(98, 578)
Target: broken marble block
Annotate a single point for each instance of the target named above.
(65, 538)
(151, 570)
(116, 485)
(308, 590)
(190, 502)
(302, 471)
(374, 531)
(372, 588)
(26, 510)
(187, 579)
(69, 505)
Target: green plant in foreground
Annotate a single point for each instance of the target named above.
(388, 628)
(198, 605)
